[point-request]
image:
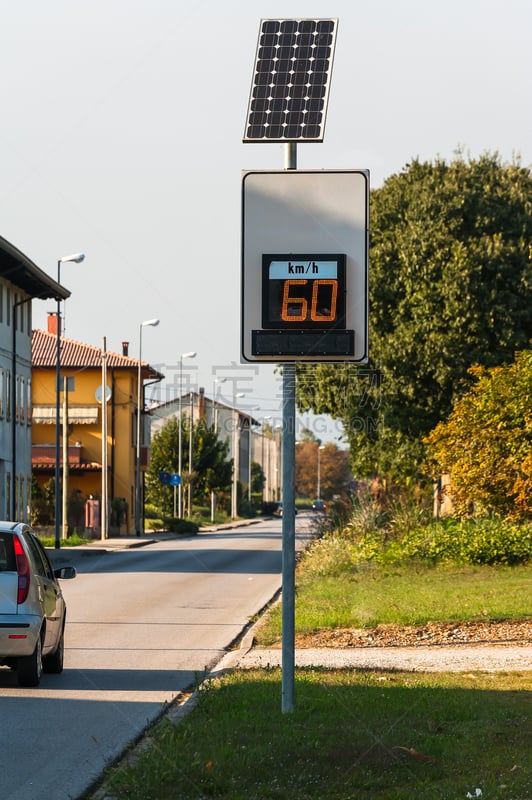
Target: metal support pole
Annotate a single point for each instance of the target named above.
(289, 504)
(58, 418)
(289, 560)
(64, 529)
(105, 487)
(139, 434)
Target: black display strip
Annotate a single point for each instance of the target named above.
(290, 87)
(303, 343)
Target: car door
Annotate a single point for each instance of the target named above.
(49, 592)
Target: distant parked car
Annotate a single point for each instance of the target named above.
(319, 505)
(279, 510)
(32, 607)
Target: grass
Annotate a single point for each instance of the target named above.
(71, 541)
(378, 735)
(405, 595)
(381, 735)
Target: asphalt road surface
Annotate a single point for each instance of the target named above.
(142, 625)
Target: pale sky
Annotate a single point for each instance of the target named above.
(121, 137)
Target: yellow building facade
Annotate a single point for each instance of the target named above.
(81, 403)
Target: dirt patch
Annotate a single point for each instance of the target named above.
(481, 633)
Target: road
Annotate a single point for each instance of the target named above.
(142, 625)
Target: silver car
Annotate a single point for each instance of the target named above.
(32, 607)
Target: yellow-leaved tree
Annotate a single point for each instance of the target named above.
(486, 443)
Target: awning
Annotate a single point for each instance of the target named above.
(77, 415)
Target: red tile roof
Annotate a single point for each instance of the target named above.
(77, 354)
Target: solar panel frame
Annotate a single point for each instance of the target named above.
(291, 80)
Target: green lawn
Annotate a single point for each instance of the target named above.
(353, 734)
(406, 595)
(381, 735)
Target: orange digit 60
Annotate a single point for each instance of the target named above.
(295, 308)
(314, 312)
(289, 303)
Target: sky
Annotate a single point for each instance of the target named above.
(121, 137)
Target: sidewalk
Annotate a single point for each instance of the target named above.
(96, 546)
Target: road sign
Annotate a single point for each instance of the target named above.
(305, 266)
(175, 480)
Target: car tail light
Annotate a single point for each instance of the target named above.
(23, 569)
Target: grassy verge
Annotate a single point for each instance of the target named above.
(383, 735)
(379, 735)
(72, 541)
(404, 595)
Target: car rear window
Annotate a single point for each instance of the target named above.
(7, 553)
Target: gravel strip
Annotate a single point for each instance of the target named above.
(430, 659)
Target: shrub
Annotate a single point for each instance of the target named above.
(177, 525)
(399, 536)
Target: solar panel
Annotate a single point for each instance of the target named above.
(290, 88)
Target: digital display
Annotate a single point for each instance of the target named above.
(303, 292)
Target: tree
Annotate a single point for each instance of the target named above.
(450, 287)
(258, 478)
(211, 469)
(331, 463)
(486, 443)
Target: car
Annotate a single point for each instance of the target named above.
(32, 606)
(319, 505)
(279, 510)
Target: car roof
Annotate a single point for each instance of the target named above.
(7, 526)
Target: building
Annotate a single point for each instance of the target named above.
(21, 281)
(81, 401)
(236, 427)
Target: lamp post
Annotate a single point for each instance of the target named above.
(250, 455)
(265, 472)
(318, 487)
(214, 404)
(77, 258)
(190, 434)
(192, 354)
(152, 323)
(236, 458)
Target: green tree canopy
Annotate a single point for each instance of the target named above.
(450, 287)
(486, 443)
(211, 470)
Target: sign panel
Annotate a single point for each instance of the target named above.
(303, 290)
(304, 266)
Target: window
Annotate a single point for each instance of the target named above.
(41, 561)
(8, 561)
(8, 394)
(21, 405)
(2, 393)
(21, 504)
(27, 401)
(17, 397)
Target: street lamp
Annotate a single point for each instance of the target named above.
(77, 258)
(318, 487)
(214, 404)
(236, 458)
(152, 323)
(265, 472)
(250, 454)
(192, 354)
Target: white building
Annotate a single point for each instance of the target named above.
(20, 282)
(246, 444)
